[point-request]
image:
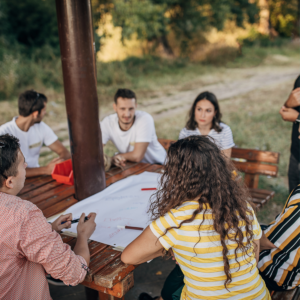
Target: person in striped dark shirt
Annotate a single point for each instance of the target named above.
(203, 216)
(279, 262)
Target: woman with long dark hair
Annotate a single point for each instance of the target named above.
(205, 119)
(203, 216)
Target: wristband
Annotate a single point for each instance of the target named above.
(85, 267)
(298, 119)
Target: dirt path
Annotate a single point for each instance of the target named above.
(230, 83)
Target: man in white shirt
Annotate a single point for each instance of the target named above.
(33, 133)
(132, 131)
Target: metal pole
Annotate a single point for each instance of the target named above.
(79, 73)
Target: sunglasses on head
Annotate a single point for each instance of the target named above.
(2, 145)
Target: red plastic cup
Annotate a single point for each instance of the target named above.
(63, 172)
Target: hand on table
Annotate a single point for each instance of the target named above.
(118, 160)
(49, 168)
(86, 228)
(57, 226)
(288, 114)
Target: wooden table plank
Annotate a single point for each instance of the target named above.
(151, 168)
(126, 173)
(115, 170)
(32, 179)
(53, 200)
(35, 184)
(62, 192)
(59, 207)
(101, 260)
(113, 273)
(118, 290)
(40, 190)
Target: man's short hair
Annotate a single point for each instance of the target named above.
(9, 148)
(31, 101)
(297, 82)
(124, 93)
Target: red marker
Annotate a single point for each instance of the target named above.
(130, 227)
(148, 189)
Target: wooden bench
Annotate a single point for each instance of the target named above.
(252, 163)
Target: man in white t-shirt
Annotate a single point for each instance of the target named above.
(132, 131)
(33, 133)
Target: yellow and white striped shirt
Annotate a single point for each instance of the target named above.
(201, 260)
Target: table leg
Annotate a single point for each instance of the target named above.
(103, 296)
(91, 294)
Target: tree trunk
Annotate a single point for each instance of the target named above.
(167, 48)
(264, 17)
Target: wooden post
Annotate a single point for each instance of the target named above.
(79, 74)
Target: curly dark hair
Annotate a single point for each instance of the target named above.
(197, 170)
(191, 124)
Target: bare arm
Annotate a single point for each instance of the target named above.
(265, 243)
(136, 155)
(84, 231)
(288, 114)
(143, 248)
(46, 170)
(60, 150)
(256, 250)
(227, 152)
(294, 99)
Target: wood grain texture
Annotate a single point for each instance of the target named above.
(60, 192)
(40, 190)
(132, 170)
(35, 184)
(59, 207)
(115, 170)
(256, 168)
(113, 273)
(118, 290)
(100, 261)
(103, 296)
(256, 155)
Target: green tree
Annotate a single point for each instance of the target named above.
(284, 16)
(151, 19)
(31, 23)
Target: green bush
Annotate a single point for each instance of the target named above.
(261, 40)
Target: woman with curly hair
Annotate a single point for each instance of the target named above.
(205, 119)
(203, 216)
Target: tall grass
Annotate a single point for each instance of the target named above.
(41, 68)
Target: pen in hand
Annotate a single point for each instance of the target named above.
(75, 220)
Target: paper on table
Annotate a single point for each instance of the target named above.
(122, 203)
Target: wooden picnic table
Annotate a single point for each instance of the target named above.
(108, 275)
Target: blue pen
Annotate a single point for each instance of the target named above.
(75, 220)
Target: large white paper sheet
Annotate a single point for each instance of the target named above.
(122, 203)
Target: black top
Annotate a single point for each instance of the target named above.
(295, 147)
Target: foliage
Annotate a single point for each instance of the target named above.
(283, 16)
(30, 23)
(151, 19)
(255, 38)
